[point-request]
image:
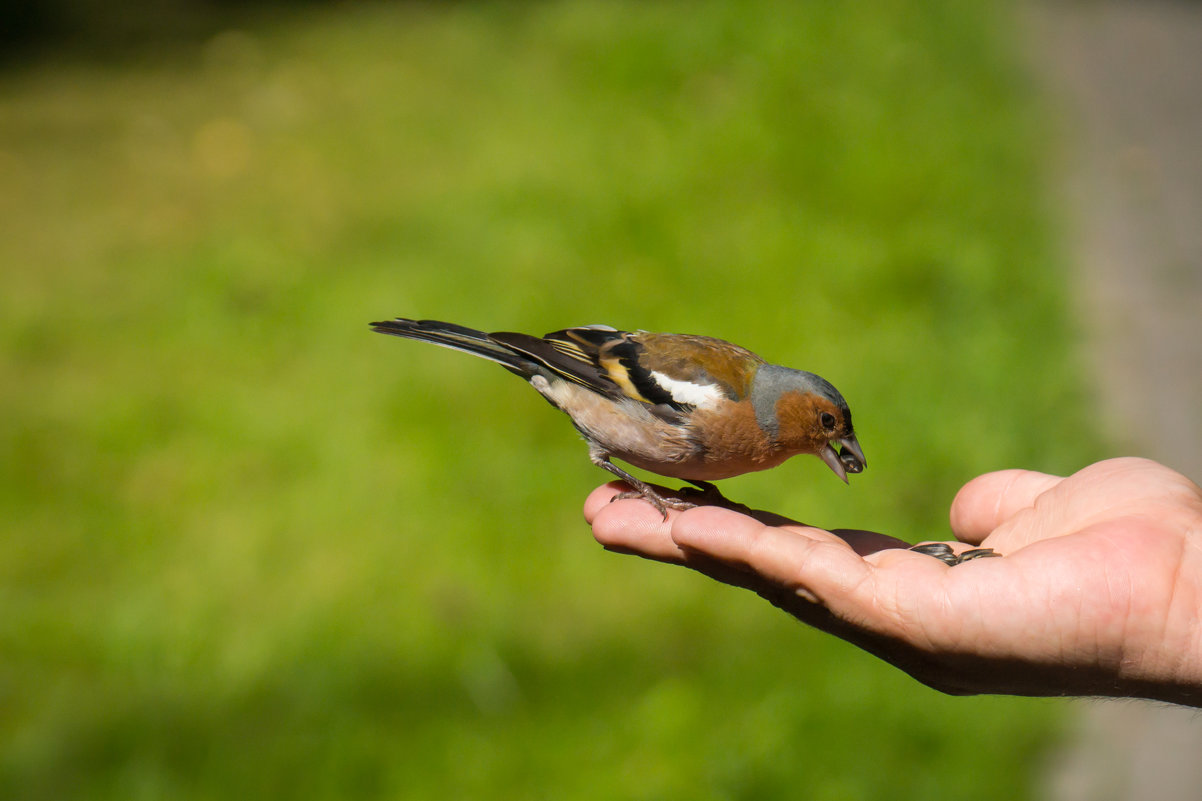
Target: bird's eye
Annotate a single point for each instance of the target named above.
(828, 420)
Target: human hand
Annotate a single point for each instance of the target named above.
(1099, 591)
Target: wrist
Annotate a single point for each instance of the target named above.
(1169, 666)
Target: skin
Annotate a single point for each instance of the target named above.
(1099, 591)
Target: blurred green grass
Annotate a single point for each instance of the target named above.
(253, 549)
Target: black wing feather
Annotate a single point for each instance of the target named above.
(562, 357)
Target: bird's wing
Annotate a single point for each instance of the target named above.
(670, 373)
(694, 367)
(571, 354)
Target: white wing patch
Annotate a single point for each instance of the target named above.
(698, 395)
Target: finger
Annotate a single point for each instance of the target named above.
(599, 498)
(989, 500)
(810, 562)
(632, 525)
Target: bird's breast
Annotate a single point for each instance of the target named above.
(730, 442)
(713, 443)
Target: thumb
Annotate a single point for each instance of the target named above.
(989, 500)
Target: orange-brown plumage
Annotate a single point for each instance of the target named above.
(800, 416)
(734, 443)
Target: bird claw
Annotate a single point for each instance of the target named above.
(661, 504)
(703, 494)
(943, 552)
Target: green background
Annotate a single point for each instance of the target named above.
(252, 549)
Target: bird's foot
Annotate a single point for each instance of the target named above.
(708, 494)
(702, 493)
(639, 489)
(943, 552)
(662, 504)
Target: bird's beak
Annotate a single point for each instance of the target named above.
(852, 454)
(831, 457)
(849, 460)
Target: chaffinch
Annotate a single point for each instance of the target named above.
(687, 407)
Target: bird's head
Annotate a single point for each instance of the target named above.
(804, 413)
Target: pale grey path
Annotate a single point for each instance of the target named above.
(1128, 78)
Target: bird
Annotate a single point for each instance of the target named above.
(682, 406)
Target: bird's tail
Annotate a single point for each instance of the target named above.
(457, 337)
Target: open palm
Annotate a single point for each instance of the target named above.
(1099, 591)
